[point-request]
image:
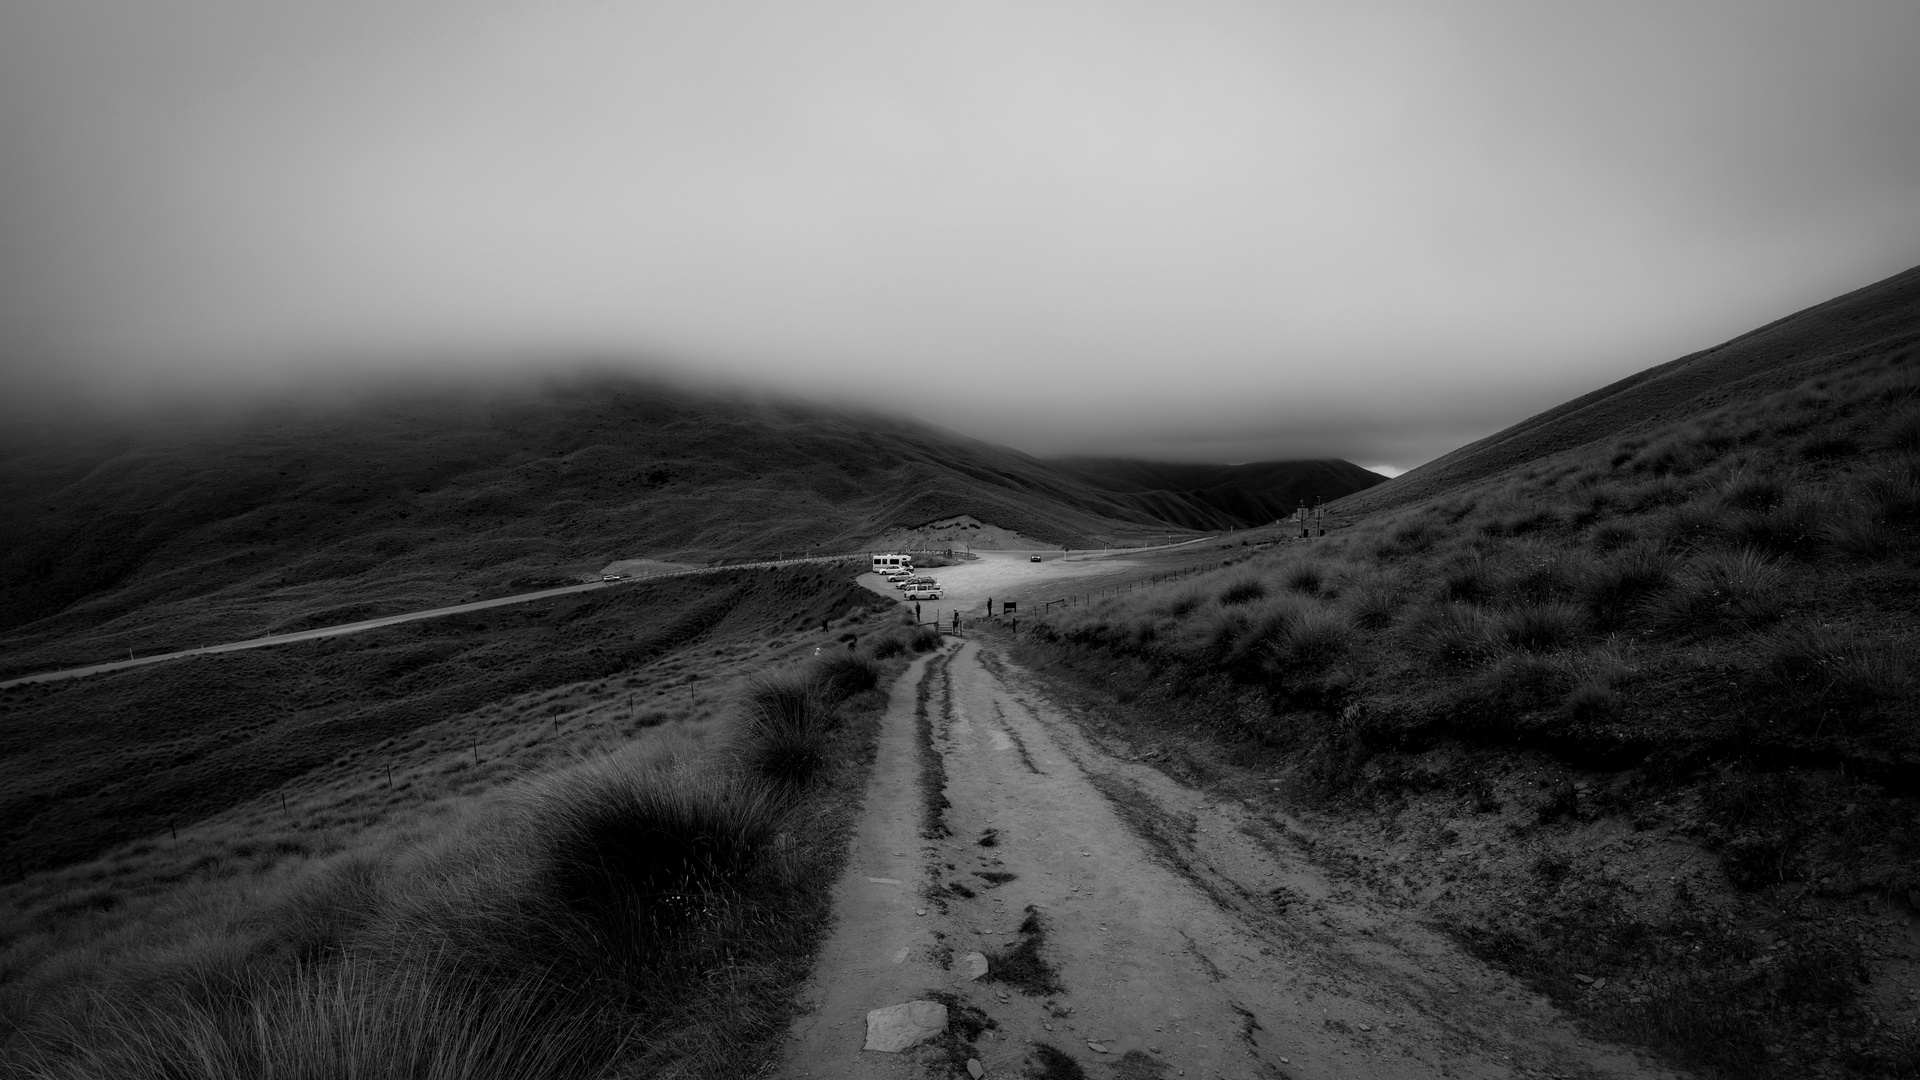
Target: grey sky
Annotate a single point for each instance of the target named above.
(1187, 229)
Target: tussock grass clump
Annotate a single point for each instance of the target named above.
(785, 724)
(1902, 433)
(1306, 578)
(1311, 641)
(1724, 592)
(351, 1019)
(1450, 634)
(1832, 673)
(841, 675)
(1375, 604)
(1789, 527)
(638, 854)
(1614, 589)
(1538, 627)
(1243, 591)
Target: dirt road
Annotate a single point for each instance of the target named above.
(1183, 937)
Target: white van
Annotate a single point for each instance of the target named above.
(887, 562)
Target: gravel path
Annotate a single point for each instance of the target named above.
(1187, 937)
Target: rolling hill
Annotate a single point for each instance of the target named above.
(1212, 497)
(181, 534)
(1875, 320)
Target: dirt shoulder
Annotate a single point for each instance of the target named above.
(1134, 926)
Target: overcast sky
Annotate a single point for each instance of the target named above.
(1188, 229)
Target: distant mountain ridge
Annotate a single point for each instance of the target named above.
(1212, 497)
(1881, 317)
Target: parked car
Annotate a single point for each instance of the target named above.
(1034, 558)
(924, 592)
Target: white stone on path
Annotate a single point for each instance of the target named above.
(896, 1027)
(975, 1069)
(976, 965)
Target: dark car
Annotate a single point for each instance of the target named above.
(1035, 558)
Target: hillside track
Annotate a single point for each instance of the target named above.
(1187, 936)
(409, 616)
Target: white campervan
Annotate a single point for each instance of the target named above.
(888, 562)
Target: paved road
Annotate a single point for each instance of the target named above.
(389, 620)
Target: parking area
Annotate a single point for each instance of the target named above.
(1003, 576)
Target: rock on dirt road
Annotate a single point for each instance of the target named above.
(1131, 924)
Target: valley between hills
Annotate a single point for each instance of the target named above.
(1589, 749)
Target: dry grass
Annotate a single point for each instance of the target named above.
(1736, 586)
(635, 895)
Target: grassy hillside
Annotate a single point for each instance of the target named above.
(89, 764)
(1215, 497)
(578, 838)
(169, 536)
(1642, 710)
(1876, 321)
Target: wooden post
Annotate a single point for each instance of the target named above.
(389, 776)
(174, 828)
(476, 751)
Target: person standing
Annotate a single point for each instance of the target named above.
(989, 607)
(916, 611)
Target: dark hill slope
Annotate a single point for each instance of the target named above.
(211, 532)
(1873, 320)
(1209, 497)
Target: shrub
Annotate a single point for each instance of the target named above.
(1242, 591)
(923, 639)
(1538, 627)
(1731, 591)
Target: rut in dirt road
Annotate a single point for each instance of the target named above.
(1131, 925)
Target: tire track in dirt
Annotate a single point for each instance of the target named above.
(1187, 937)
